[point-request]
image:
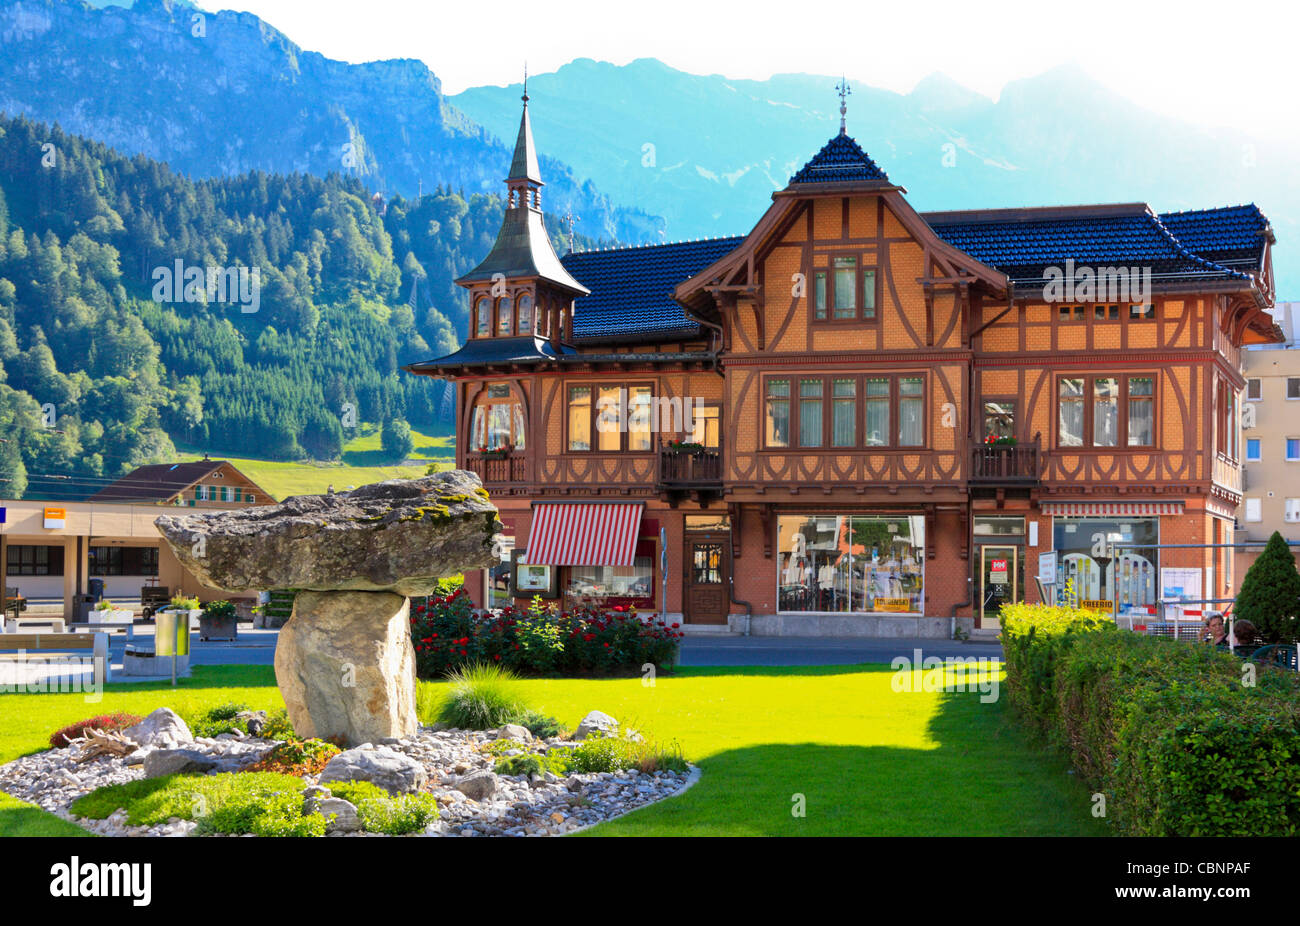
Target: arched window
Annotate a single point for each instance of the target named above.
(483, 317)
(505, 315)
(525, 314)
(498, 421)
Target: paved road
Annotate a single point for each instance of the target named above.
(257, 647)
(728, 650)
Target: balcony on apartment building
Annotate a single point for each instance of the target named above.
(501, 466)
(687, 467)
(1006, 464)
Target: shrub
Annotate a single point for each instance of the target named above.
(618, 753)
(278, 727)
(277, 813)
(399, 815)
(296, 757)
(150, 801)
(106, 722)
(219, 610)
(539, 725)
(538, 641)
(557, 762)
(482, 697)
(1168, 731)
(1034, 637)
(217, 720)
(1270, 593)
(381, 812)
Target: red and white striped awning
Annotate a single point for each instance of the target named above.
(1110, 509)
(584, 534)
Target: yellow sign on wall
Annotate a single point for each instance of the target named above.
(1095, 604)
(893, 604)
(56, 518)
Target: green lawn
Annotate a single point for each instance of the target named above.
(867, 760)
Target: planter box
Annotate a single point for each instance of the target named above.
(218, 628)
(115, 616)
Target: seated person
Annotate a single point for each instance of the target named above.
(1246, 633)
(1214, 632)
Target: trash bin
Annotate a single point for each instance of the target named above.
(83, 608)
(172, 642)
(172, 633)
(96, 589)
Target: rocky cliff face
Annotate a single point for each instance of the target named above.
(222, 93)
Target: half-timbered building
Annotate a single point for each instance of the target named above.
(858, 418)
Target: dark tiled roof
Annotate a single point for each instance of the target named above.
(1232, 235)
(492, 351)
(841, 159)
(1023, 243)
(157, 481)
(632, 288)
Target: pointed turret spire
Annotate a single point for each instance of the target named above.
(523, 248)
(524, 173)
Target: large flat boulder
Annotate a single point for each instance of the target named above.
(399, 536)
(346, 666)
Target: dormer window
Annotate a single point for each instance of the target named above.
(505, 315)
(483, 317)
(525, 314)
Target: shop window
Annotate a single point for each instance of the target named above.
(615, 586)
(850, 564)
(1083, 548)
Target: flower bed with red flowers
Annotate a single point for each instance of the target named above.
(538, 641)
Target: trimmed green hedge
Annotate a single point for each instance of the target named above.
(1167, 731)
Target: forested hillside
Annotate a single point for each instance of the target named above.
(98, 374)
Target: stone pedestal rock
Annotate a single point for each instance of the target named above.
(344, 662)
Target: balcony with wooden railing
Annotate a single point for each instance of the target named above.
(690, 469)
(1016, 464)
(493, 468)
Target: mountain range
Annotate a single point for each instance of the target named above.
(706, 151)
(221, 94)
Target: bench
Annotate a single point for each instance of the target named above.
(128, 629)
(32, 647)
(49, 622)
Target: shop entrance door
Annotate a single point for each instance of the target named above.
(999, 580)
(707, 561)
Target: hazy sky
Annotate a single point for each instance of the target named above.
(1211, 63)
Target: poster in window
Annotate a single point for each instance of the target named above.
(528, 580)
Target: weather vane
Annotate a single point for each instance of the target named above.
(843, 89)
(567, 221)
(525, 97)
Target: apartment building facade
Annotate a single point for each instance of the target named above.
(857, 418)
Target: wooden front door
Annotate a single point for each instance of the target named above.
(708, 558)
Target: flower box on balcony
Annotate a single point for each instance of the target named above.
(496, 453)
(683, 447)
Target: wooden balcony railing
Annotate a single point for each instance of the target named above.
(497, 469)
(1006, 464)
(690, 469)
